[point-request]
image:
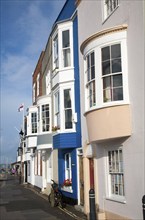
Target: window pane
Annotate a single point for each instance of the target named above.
(68, 118)
(92, 59)
(66, 57)
(45, 117)
(107, 82)
(106, 67)
(118, 94)
(65, 39)
(34, 122)
(116, 177)
(115, 51)
(67, 160)
(117, 80)
(105, 53)
(92, 72)
(116, 66)
(67, 98)
(92, 97)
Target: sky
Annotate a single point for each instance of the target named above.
(25, 26)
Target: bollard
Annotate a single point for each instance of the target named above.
(92, 205)
(143, 206)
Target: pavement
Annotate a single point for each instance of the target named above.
(75, 211)
(21, 202)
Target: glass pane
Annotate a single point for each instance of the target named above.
(88, 62)
(90, 95)
(106, 82)
(88, 74)
(66, 57)
(105, 53)
(92, 59)
(57, 102)
(67, 98)
(115, 51)
(92, 72)
(106, 68)
(67, 160)
(116, 66)
(117, 94)
(91, 89)
(117, 80)
(47, 114)
(65, 39)
(55, 47)
(68, 118)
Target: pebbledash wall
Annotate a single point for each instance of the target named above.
(111, 125)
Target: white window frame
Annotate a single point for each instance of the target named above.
(68, 169)
(56, 51)
(44, 118)
(66, 109)
(109, 7)
(109, 92)
(34, 128)
(90, 81)
(96, 46)
(66, 51)
(57, 109)
(59, 32)
(115, 169)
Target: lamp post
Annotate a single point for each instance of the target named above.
(21, 151)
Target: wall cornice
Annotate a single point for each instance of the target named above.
(102, 33)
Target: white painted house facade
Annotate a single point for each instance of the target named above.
(112, 104)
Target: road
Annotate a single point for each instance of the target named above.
(18, 202)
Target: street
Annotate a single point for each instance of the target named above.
(18, 202)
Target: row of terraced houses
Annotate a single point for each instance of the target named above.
(86, 122)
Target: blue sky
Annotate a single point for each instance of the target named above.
(25, 27)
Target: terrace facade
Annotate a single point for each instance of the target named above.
(112, 106)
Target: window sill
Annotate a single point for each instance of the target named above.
(117, 199)
(106, 105)
(67, 189)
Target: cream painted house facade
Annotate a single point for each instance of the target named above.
(112, 84)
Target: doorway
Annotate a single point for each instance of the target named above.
(81, 180)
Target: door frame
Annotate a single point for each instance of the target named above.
(79, 154)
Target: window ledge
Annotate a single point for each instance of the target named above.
(117, 199)
(67, 189)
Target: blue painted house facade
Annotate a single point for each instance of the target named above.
(66, 99)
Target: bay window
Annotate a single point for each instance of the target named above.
(106, 78)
